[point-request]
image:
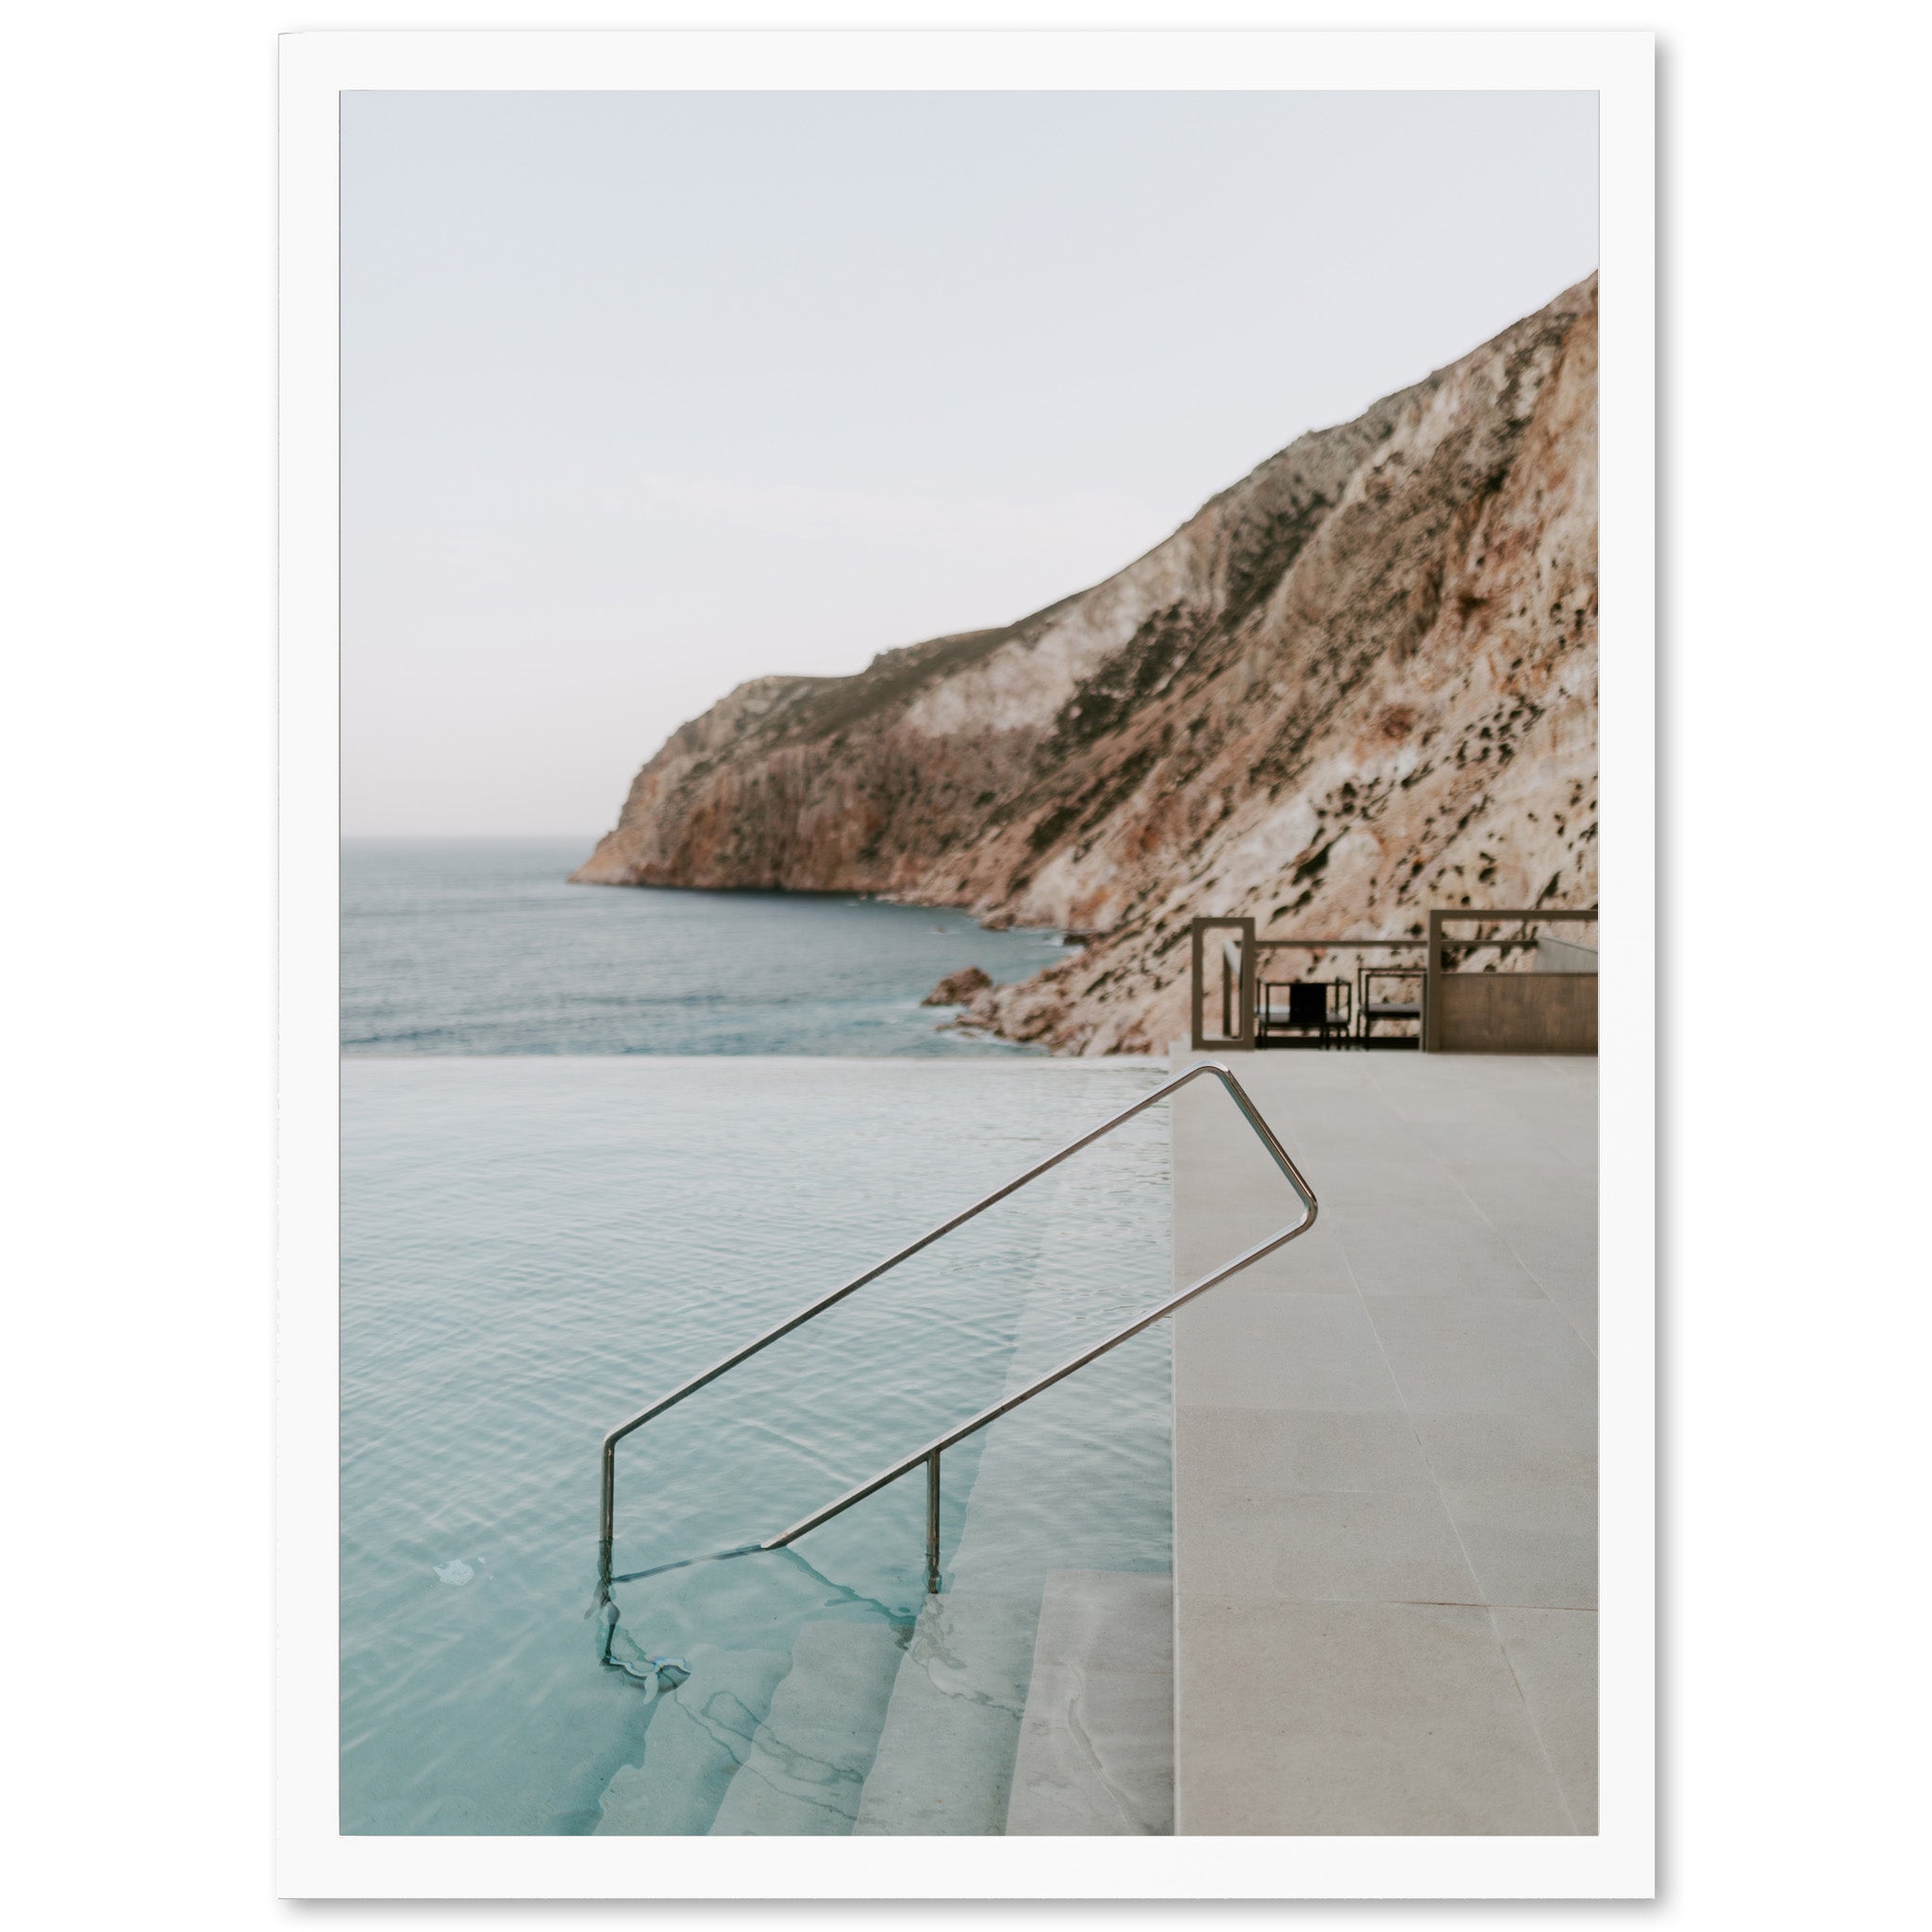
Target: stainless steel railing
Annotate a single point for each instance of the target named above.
(930, 1454)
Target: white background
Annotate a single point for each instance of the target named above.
(139, 770)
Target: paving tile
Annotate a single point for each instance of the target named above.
(1554, 1655)
(1301, 1067)
(1291, 1351)
(1477, 1143)
(1277, 1453)
(1434, 1254)
(1339, 1667)
(1577, 1299)
(1470, 1356)
(1559, 1113)
(1521, 1491)
(1248, 1188)
(1347, 1098)
(1533, 1548)
(1355, 1719)
(1314, 1262)
(1453, 1108)
(1340, 1115)
(1530, 1192)
(1386, 1183)
(1557, 1220)
(1361, 1546)
(1209, 1236)
(1563, 1255)
(1493, 1451)
(1562, 1261)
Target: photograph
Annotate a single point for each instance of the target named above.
(969, 937)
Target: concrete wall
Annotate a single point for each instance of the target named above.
(1564, 955)
(1514, 1012)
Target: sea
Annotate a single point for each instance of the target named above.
(481, 946)
(593, 1140)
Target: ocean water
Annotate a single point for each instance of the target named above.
(458, 946)
(535, 1247)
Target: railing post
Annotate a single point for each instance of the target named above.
(1197, 1040)
(1248, 1033)
(1432, 979)
(932, 1523)
(606, 1522)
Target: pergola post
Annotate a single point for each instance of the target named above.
(1239, 1027)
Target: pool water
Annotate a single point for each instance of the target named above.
(533, 1249)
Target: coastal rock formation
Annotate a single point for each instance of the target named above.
(1359, 683)
(955, 989)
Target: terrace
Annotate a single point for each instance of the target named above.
(1382, 1611)
(1385, 1454)
(1474, 982)
(1385, 1436)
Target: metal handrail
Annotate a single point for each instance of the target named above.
(930, 1454)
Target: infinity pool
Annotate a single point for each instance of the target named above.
(533, 1249)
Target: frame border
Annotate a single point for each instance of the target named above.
(313, 1860)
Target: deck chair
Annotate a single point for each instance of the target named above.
(1308, 1009)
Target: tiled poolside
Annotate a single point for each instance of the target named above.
(1384, 1452)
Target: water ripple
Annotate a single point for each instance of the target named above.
(533, 1248)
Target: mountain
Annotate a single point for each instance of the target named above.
(1359, 683)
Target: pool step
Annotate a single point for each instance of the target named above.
(1096, 1754)
(945, 1755)
(698, 1736)
(806, 1769)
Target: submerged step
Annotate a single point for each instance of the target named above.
(1096, 1754)
(945, 1755)
(699, 1734)
(806, 1769)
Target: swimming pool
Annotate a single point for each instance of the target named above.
(533, 1249)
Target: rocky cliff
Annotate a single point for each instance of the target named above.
(1359, 683)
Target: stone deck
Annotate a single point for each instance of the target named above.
(1385, 1451)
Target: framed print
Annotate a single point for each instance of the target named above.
(966, 994)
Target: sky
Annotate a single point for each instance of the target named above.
(644, 394)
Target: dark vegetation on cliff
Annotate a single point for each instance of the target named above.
(1359, 683)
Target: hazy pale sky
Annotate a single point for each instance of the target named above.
(644, 394)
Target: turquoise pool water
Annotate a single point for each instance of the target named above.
(534, 1248)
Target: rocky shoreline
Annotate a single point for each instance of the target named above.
(1359, 683)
